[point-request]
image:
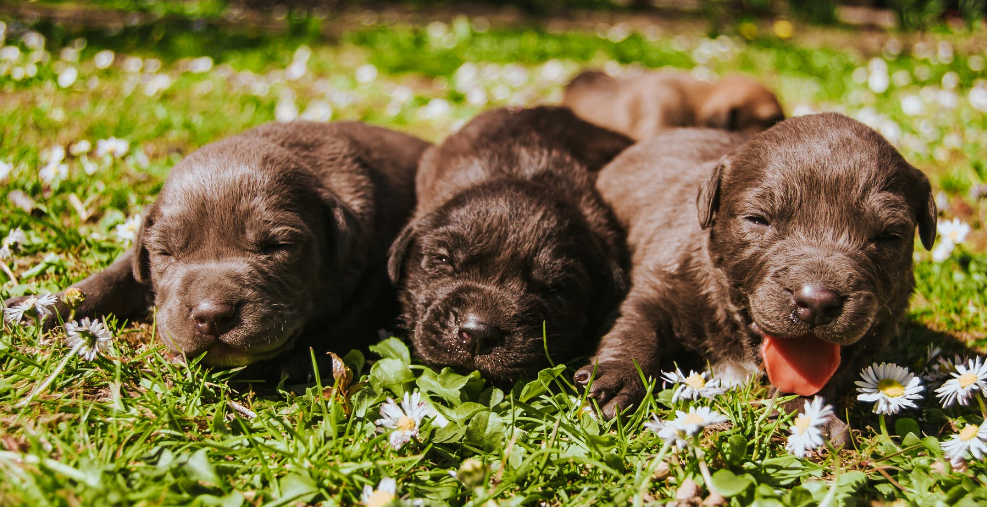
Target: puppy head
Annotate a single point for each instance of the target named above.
(812, 224)
(237, 248)
(483, 274)
(740, 104)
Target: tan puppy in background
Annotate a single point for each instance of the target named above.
(643, 105)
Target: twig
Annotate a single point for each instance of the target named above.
(242, 410)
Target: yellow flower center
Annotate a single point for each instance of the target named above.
(694, 418)
(695, 381)
(406, 424)
(967, 379)
(801, 424)
(30, 302)
(969, 432)
(953, 234)
(380, 498)
(891, 387)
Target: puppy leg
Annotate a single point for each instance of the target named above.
(635, 338)
(113, 291)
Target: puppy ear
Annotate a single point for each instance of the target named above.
(928, 213)
(142, 260)
(709, 194)
(346, 226)
(399, 251)
(723, 118)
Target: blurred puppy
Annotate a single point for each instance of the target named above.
(800, 260)
(644, 105)
(510, 241)
(275, 236)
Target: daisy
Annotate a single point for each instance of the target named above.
(953, 231)
(697, 418)
(15, 237)
(127, 231)
(892, 387)
(405, 419)
(40, 305)
(942, 368)
(668, 432)
(90, 336)
(112, 146)
(5, 170)
(694, 386)
(942, 251)
(806, 428)
(971, 440)
(385, 493)
(967, 378)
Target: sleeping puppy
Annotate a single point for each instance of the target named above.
(275, 236)
(800, 261)
(509, 241)
(644, 105)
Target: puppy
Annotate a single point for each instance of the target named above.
(800, 260)
(510, 241)
(275, 236)
(644, 105)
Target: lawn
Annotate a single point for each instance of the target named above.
(94, 113)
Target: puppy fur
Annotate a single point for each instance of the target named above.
(266, 239)
(642, 106)
(509, 235)
(818, 199)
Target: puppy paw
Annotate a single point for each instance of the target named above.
(616, 386)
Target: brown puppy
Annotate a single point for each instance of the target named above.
(644, 105)
(267, 238)
(509, 236)
(800, 259)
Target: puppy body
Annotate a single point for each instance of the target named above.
(509, 235)
(642, 106)
(268, 237)
(819, 203)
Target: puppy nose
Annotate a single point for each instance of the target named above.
(478, 336)
(212, 318)
(816, 304)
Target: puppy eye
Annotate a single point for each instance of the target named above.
(273, 247)
(885, 237)
(443, 259)
(757, 220)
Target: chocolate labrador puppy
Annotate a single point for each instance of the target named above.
(275, 236)
(800, 259)
(510, 242)
(642, 106)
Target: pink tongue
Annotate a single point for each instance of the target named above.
(800, 365)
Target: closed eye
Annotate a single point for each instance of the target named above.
(886, 237)
(757, 220)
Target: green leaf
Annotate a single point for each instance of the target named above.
(199, 469)
(391, 374)
(736, 449)
(905, 426)
(298, 488)
(448, 384)
(729, 484)
(487, 431)
(542, 383)
(392, 348)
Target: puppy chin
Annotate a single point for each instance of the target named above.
(235, 348)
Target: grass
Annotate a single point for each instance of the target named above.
(134, 427)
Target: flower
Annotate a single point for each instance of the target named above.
(80, 148)
(112, 146)
(892, 387)
(967, 378)
(942, 251)
(405, 419)
(5, 170)
(953, 231)
(806, 434)
(668, 432)
(971, 439)
(385, 493)
(73, 297)
(14, 237)
(40, 305)
(127, 231)
(694, 386)
(90, 336)
(942, 368)
(696, 419)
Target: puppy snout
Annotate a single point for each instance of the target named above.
(817, 304)
(213, 318)
(479, 336)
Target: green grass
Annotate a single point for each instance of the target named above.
(133, 427)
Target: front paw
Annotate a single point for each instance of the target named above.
(616, 385)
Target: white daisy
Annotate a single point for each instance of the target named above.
(970, 440)
(127, 231)
(696, 419)
(90, 336)
(942, 251)
(806, 428)
(967, 378)
(668, 432)
(942, 367)
(112, 146)
(14, 237)
(81, 147)
(5, 170)
(385, 493)
(405, 419)
(953, 231)
(694, 386)
(40, 305)
(892, 387)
